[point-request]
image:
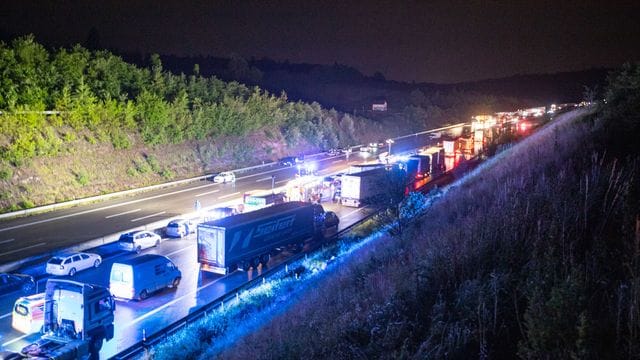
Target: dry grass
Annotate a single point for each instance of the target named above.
(530, 257)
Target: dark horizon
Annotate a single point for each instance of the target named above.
(435, 42)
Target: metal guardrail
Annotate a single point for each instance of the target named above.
(160, 335)
(66, 204)
(430, 131)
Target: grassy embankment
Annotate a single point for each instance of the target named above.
(537, 255)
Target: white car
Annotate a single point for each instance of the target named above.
(135, 241)
(72, 263)
(224, 177)
(180, 228)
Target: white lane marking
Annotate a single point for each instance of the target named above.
(5, 315)
(122, 213)
(179, 250)
(16, 339)
(103, 208)
(281, 181)
(158, 309)
(351, 213)
(208, 192)
(264, 179)
(21, 249)
(230, 195)
(6, 241)
(148, 216)
(337, 161)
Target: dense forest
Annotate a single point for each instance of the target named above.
(535, 255)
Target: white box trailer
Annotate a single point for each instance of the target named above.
(363, 187)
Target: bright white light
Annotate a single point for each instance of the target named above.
(311, 167)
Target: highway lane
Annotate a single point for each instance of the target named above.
(41, 234)
(45, 232)
(165, 307)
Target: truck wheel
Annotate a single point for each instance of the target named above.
(144, 294)
(72, 271)
(94, 348)
(264, 259)
(175, 282)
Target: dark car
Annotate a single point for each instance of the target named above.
(290, 161)
(14, 282)
(331, 219)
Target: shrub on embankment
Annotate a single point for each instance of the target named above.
(536, 255)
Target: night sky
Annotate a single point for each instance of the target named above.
(431, 41)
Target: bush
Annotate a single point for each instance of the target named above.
(82, 178)
(167, 174)
(153, 162)
(120, 140)
(6, 173)
(26, 204)
(142, 166)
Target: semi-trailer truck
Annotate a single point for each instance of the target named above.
(418, 166)
(436, 156)
(78, 317)
(361, 188)
(358, 168)
(249, 239)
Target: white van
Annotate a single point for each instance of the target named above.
(139, 277)
(28, 314)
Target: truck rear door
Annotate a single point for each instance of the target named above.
(211, 246)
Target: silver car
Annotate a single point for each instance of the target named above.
(72, 263)
(180, 228)
(224, 177)
(136, 241)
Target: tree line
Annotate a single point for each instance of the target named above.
(97, 95)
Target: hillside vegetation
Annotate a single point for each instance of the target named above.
(536, 255)
(76, 123)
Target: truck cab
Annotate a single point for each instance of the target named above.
(78, 317)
